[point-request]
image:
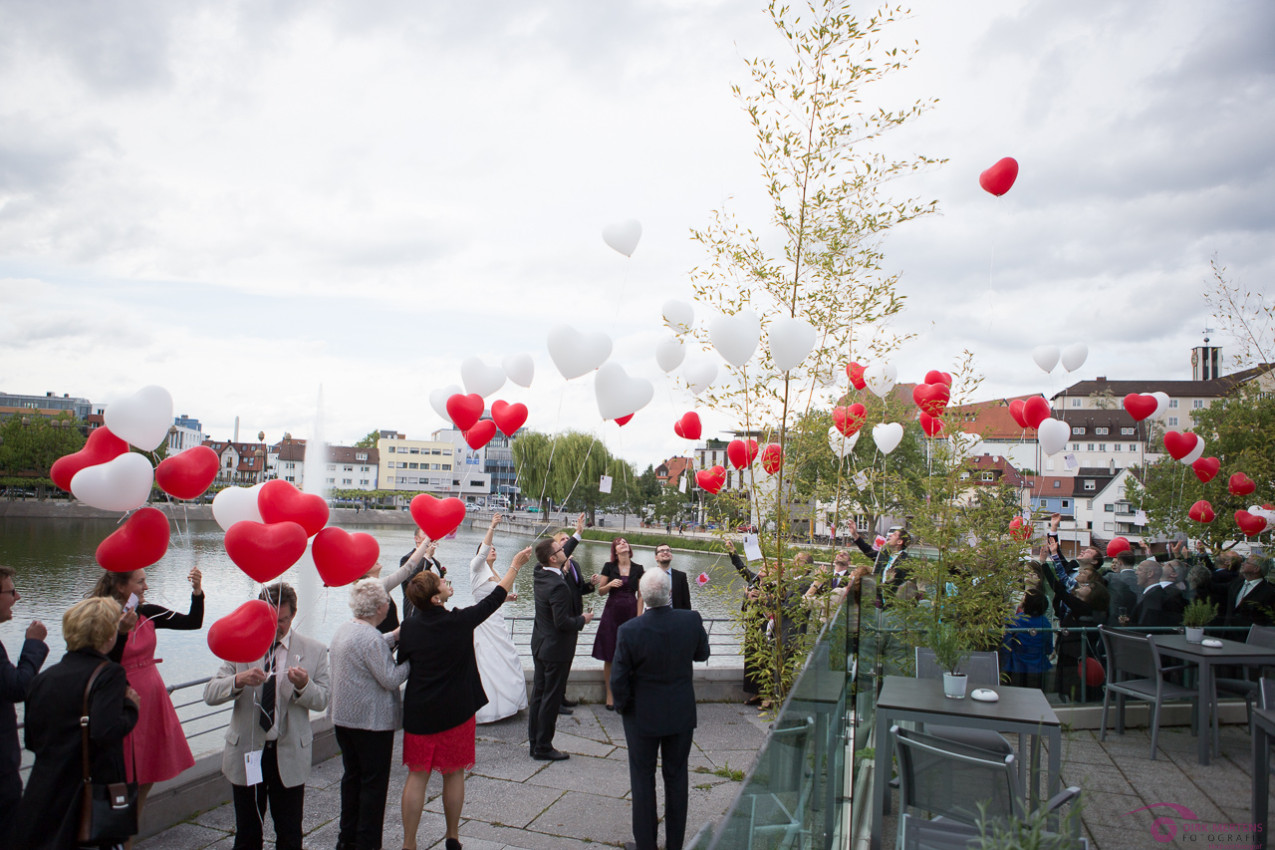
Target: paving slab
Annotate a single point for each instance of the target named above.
(599, 818)
(507, 803)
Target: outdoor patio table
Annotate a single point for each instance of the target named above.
(1263, 733)
(1231, 653)
(1021, 710)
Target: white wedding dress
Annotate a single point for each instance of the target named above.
(498, 662)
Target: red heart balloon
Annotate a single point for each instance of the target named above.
(931, 425)
(437, 517)
(265, 552)
(1000, 177)
(1019, 528)
(934, 376)
(1240, 485)
(931, 398)
(244, 635)
(711, 480)
(1116, 546)
(189, 474)
(508, 417)
(341, 557)
(855, 373)
(1249, 524)
(772, 457)
(465, 410)
(279, 501)
(688, 426)
(481, 434)
(1035, 411)
(141, 541)
(1206, 468)
(848, 420)
(1016, 410)
(623, 420)
(1202, 511)
(740, 454)
(100, 447)
(1140, 406)
(1180, 444)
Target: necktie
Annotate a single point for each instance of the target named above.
(1248, 585)
(266, 716)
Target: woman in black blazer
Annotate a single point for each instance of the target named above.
(444, 692)
(48, 817)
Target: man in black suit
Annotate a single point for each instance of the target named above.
(13, 689)
(553, 646)
(576, 583)
(889, 560)
(654, 694)
(1160, 604)
(681, 588)
(1250, 601)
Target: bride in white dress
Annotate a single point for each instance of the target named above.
(498, 662)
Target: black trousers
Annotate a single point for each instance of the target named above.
(286, 806)
(549, 686)
(674, 751)
(366, 756)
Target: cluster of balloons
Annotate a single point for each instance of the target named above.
(1252, 522)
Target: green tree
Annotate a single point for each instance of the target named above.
(368, 442)
(29, 445)
(565, 469)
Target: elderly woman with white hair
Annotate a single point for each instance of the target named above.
(366, 710)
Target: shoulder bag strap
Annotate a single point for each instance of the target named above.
(86, 807)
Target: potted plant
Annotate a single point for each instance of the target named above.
(1195, 617)
(951, 649)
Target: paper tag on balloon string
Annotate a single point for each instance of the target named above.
(752, 551)
(681, 485)
(1070, 461)
(860, 480)
(604, 484)
(1140, 518)
(252, 767)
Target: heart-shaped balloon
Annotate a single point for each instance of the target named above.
(438, 399)
(244, 635)
(341, 557)
(1036, 410)
(481, 434)
(1161, 404)
(740, 453)
(772, 457)
(188, 474)
(854, 371)
(711, 480)
(141, 541)
(265, 552)
(121, 484)
(1180, 444)
(842, 444)
(678, 315)
(1074, 356)
(887, 436)
(508, 417)
(848, 420)
(1016, 411)
(700, 374)
(791, 340)
(236, 504)
(689, 426)
(519, 368)
(100, 447)
(479, 378)
(618, 393)
(1202, 511)
(142, 419)
(1116, 546)
(1207, 468)
(280, 501)
(735, 337)
(931, 398)
(437, 517)
(998, 179)
(669, 353)
(931, 425)
(1195, 453)
(623, 236)
(576, 353)
(1240, 484)
(1139, 405)
(465, 410)
(1250, 525)
(1053, 435)
(1046, 356)
(623, 420)
(934, 376)
(1020, 529)
(880, 378)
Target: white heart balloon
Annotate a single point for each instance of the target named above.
(1195, 453)
(1161, 405)
(678, 315)
(575, 353)
(520, 368)
(880, 378)
(618, 393)
(480, 378)
(1074, 356)
(735, 337)
(842, 445)
(791, 340)
(142, 419)
(669, 353)
(234, 504)
(438, 401)
(1053, 434)
(887, 436)
(1046, 356)
(623, 236)
(121, 484)
(700, 374)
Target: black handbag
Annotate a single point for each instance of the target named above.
(108, 810)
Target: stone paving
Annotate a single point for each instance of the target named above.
(516, 803)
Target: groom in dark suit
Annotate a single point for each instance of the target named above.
(651, 681)
(681, 587)
(553, 646)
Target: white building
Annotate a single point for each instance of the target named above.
(186, 433)
(344, 468)
(436, 466)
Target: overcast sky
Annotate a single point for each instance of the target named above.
(245, 202)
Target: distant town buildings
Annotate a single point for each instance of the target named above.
(49, 404)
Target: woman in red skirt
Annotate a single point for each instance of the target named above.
(444, 692)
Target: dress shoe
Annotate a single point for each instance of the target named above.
(610, 707)
(565, 710)
(569, 703)
(550, 755)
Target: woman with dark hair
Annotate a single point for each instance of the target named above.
(157, 742)
(620, 577)
(1025, 654)
(444, 692)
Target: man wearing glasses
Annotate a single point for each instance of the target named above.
(13, 690)
(553, 646)
(681, 587)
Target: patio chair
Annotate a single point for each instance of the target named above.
(1266, 690)
(1135, 670)
(984, 671)
(1263, 636)
(782, 786)
(958, 785)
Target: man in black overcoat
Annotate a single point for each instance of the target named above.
(14, 681)
(553, 646)
(576, 583)
(1250, 600)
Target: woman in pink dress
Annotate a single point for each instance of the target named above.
(156, 749)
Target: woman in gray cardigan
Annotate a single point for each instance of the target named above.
(366, 709)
